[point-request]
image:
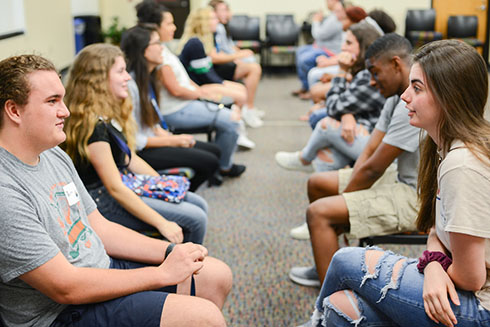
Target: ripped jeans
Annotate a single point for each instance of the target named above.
(376, 297)
(328, 150)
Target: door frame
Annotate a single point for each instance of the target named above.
(485, 46)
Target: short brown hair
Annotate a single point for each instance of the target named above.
(14, 84)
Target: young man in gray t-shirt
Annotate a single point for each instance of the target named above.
(60, 260)
(371, 198)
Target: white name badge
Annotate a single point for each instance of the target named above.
(71, 194)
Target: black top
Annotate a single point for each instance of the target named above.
(86, 171)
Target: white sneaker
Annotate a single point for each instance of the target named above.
(291, 161)
(245, 142)
(250, 118)
(300, 232)
(259, 113)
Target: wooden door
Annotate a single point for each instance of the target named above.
(446, 8)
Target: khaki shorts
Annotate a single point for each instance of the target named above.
(388, 207)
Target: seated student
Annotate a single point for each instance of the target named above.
(152, 136)
(353, 109)
(100, 141)
(319, 76)
(233, 64)
(198, 33)
(369, 199)
(329, 65)
(450, 285)
(327, 33)
(200, 69)
(61, 262)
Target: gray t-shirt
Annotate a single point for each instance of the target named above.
(394, 121)
(43, 210)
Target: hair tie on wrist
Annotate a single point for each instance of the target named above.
(169, 249)
(429, 256)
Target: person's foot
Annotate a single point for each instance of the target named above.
(234, 171)
(305, 276)
(251, 118)
(244, 142)
(305, 96)
(298, 92)
(259, 113)
(215, 180)
(300, 232)
(292, 161)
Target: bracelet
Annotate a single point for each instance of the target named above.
(429, 256)
(169, 249)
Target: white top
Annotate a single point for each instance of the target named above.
(463, 203)
(169, 103)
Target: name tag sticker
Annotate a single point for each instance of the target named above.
(71, 194)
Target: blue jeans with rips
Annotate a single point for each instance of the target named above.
(198, 114)
(382, 301)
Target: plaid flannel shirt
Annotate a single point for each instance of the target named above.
(357, 97)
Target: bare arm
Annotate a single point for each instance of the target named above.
(68, 284)
(468, 271)
(124, 243)
(164, 138)
(370, 166)
(100, 156)
(167, 77)
(223, 58)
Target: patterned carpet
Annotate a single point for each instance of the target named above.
(250, 218)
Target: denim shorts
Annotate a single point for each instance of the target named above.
(138, 309)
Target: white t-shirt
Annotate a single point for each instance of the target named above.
(463, 203)
(169, 103)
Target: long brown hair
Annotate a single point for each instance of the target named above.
(89, 98)
(365, 34)
(457, 77)
(134, 43)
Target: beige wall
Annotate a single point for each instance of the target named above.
(49, 27)
(396, 9)
(49, 32)
(124, 9)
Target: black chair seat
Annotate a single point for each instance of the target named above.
(464, 28)
(402, 238)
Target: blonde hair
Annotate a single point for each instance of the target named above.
(89, 98)
(198, 25)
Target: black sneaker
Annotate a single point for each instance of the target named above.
(234, 171)
(215, 180)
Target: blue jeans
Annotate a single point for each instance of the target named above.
(200, 114)
(316, 116)
(190, 214)
(337, 149)
(382, 301)
(316, 72)
(305, 60)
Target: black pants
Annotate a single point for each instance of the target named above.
(203, 158)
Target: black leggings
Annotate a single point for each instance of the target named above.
(203, 158)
